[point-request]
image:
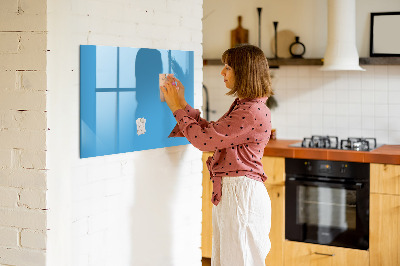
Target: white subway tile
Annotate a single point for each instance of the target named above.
(381, 110)
(394, 97)
(380, 71)
(381, 97)
(368, 123)
(394, 137)
(367, 96)
(382, 136)
(394, 110)
(394, 123)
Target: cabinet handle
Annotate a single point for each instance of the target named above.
(324, 254)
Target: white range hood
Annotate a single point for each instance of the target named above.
(341, 51)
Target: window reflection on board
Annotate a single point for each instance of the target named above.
(120, 107)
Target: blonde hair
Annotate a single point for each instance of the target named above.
(250, 66)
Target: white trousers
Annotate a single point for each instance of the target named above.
(241, 223)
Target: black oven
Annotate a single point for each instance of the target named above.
(327, 202)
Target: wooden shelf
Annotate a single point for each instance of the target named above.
(274, 63)
(380, 61)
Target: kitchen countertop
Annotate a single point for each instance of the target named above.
(389, 154)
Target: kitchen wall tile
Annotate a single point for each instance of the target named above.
(355, 96)
(342, 80)
(354, 122)
(317, 108)
(394, 137)
(394, 97)
(367, 82)
(304, 82)
(317, 95)
(380, 71)
(342, 109)
(367, 96)
(394, 123)
(381, 97)
(329, 122)
(394, 110)
(342, 96)
(316, 82)
(292, 82)
(291, 71)
(355, 109)
(354, 80)
(367, 133)
(328, 74)
(381, 123)
(342, 122)
(368, 123)
(329, 109)
(317, 121)
(367, 110)
(381, 110)
(329, 93)
(393, 71)
(304, 72)
(342, 133)
(315, 72)
(394, 82)
(366, 100)
(355, 132)
(381, 84)
(381, 136)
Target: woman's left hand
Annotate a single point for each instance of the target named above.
(171, 96)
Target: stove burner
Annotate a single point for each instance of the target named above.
(328, 142)
(358, 144)
(332, 142)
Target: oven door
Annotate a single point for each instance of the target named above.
(327, 213)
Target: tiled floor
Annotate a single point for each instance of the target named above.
(206, 261)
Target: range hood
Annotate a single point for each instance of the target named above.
(341, 51)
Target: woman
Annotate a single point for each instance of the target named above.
(242, 212)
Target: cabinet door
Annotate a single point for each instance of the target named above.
(274, 168)
(277, 233)
(385, 178)
(304, 254)
(384, 230)
(206, 225)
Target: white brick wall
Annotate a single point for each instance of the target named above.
(23, 132)
(140, 208)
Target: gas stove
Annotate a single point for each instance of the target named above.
(332, 142)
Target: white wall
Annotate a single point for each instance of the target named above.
(311, 102)
(141, 208)
(306, 19)
(23, 133)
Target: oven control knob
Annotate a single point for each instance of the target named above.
(343, 168)
(308, 166)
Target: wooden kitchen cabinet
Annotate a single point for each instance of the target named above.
(385, 215)
(274, 168)
(385, 178)
(206, 225)
(305, 254)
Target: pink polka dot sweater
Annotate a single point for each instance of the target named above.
(238, 139)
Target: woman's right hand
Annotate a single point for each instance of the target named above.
(181, 91)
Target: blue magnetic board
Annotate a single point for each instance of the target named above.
(120, 96)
